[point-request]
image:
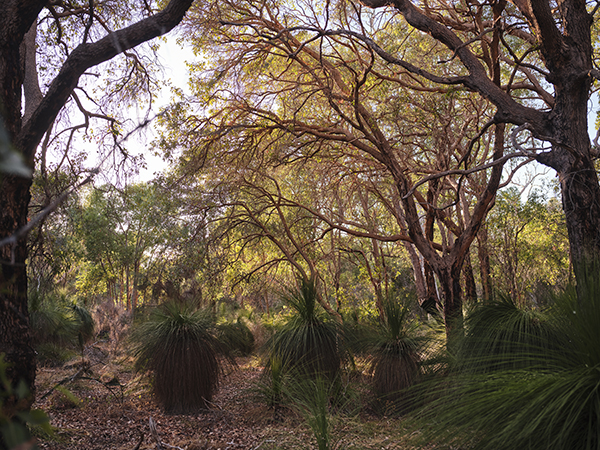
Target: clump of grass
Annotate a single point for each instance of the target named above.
(500, 335)
(59, 327)
(178, 345)
(237, 337)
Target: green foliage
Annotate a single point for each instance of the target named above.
(14, 429)
(309, 342)
(528, 245)
(311, 397)
(58, 326)
(236, 337)
(85, 325)
(540, 389)
(501, 335)
(178, 345)
(395, 347)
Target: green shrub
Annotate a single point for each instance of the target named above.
(500, 335)
(308, 343)
(58, 327)
(236, 337)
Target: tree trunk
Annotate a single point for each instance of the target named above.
(15, 337)
(571, 153)
(470, 287)
(484, 262)
(449, 279)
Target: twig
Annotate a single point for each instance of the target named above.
(137, 447)
(63, 381)
(154, 432)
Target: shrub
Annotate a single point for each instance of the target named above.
(236, 337)
(395, 346)
(540, 391)
(58, 327)
(500, 335)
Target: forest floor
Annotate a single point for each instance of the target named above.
(109, 406)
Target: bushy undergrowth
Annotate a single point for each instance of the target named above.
(523, 379)
(236, 337)
(59, 327)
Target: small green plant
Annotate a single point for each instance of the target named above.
(178, 345)
(500, 335)
(316, 399)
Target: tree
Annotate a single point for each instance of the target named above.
(528, 246)
(551, 48)
(26, 131)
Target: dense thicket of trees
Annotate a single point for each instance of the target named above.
(344, 143)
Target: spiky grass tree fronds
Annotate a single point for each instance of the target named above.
(84, 323)
(177, 344)
(311, 398)
(309, 342)
(550, 406)
(500, 335)
(50, 320)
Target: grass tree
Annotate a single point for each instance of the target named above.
(177, 344)
(502, 335)
(395, 347)
(540, 383)
(58, 326)
(309, 343)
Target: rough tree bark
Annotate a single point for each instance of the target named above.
(16, 19)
